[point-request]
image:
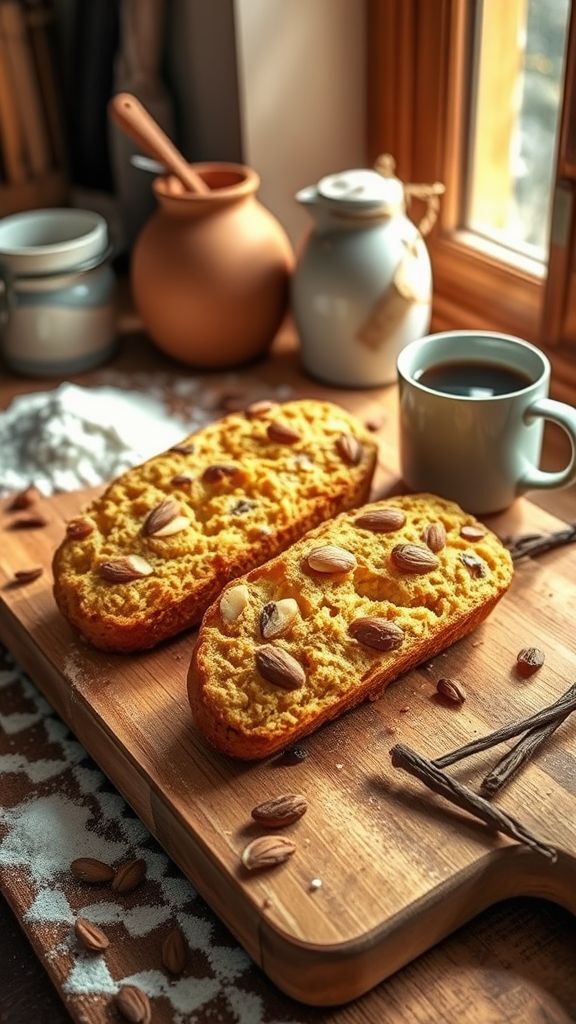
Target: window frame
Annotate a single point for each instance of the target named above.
(418, 58)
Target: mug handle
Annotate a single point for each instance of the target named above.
(565, 416)
(6, 299)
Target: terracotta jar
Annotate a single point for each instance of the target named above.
(210, 272)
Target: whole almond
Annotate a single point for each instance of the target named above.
(125, 570)
(529, 660)
(216, 474)
(258, 409)
(174, 952)
(451, 689)
(472, 532)
(281, 433)
(330, 558)
(280, 811)
(267, 852)
(349, 449)
(133, 1004)
(378, 633)
(277, 617)
(476, 567)
(176, 525)
(276, 666)
(181, 480)
(182, 449)
(160, 516)
(381, 520)
(90, 936)
(233, 602)
(77, 529)
(92, 871)
(129, 875)
(24, 499)
(28, 575)
(434, 536)
(414, 559)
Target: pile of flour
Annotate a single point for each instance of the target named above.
(74, 437)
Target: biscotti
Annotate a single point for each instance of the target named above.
(333, 620)
(145, 559)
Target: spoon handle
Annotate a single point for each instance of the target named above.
(134, 119)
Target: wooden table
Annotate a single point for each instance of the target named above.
(514, 963)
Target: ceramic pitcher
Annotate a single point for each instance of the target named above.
(210, 271)
(362, 288)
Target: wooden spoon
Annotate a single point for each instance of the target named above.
(127, 112)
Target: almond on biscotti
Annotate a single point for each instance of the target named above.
(411, 558)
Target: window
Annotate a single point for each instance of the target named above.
(480, 94)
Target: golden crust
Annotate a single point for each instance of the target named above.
(235, 522)
(243, 715)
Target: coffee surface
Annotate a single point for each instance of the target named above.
(473, 379)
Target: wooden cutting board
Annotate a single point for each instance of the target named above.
(399, 868)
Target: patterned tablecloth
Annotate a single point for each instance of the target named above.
(56, 806)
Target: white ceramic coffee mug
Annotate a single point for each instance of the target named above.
(480, 449)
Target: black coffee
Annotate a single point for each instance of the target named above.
(473, 379)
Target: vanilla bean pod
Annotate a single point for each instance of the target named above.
(537, 544)
(552, 713)
(513, 760)
(436, 780)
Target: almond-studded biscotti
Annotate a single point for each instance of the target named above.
(145, 559)
(338, 616)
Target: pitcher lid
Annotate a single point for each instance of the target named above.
(362, 190)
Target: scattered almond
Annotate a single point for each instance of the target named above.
(472, 532)
(476, 567)
(277, 617)
(374, 423)
(181, 480)
(381, 520)
(280, 811)
(24, 499)
(281, 433)
(267, 851)
(278, 667)
(129, 875)
(378, 633)
(182, 449)
(452, 690)
(233, 602)
(174, 952)
(529, 660)
(216, 474)
(77, 529)
(28, 575)
(258, 409)
(349, 449)
(30, 522)
(87, 869)
(330, 558)
(160, 516)
(125, 570)
(90, 936)
(133, 1004)
(414, 559)
(434, 536)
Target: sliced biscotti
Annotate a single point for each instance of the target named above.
(146, 558)
(333, 620)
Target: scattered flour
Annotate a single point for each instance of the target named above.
(75, 437)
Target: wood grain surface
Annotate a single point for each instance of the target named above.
(399, 869)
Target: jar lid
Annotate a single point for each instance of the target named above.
(363, 190)
(52, 241)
